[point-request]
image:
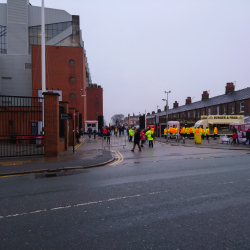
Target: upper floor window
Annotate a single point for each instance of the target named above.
(3, 39)
(218, 110)
(242, 107)
(209, 111)
(225, 111)
(51, 30)
(194, 114)
(203, 112)
(232, 109)
(188, 114)
(198, 115)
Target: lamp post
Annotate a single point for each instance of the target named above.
(166, 105)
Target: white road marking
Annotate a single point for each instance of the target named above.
(78, 205)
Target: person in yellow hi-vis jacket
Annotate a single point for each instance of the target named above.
(165, 132)
(215, 132)
(149, 134)
(207, 132)
(131, 133)
(203, 133)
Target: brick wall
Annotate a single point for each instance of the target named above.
(51, 124)
(58, 74)
(94, 103)
(61, 146)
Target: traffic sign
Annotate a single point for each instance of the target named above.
(66, 116)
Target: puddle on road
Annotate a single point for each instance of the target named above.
(60, 173)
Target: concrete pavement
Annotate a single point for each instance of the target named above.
(88, 153)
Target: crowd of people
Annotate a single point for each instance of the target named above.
(144, 135)
(189, 132)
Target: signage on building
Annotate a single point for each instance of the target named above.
(222, 117)
(67, 116)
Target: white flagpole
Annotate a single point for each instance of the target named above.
(43, 55)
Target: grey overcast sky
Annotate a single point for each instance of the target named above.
(136, 49)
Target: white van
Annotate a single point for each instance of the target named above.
(93, 124)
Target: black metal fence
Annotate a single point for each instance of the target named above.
(21, 126)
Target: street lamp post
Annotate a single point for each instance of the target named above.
(166, 105)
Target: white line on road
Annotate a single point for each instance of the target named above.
(80, 204)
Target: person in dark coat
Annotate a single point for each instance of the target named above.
(248, 137)
(89, 132)
(137, 139)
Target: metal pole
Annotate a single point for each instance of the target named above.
(167, 107)
(43, 57)
(73, 135)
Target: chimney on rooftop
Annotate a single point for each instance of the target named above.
(188, 100)
(159, 110)
(204, 96)
(148, 113)
(165, 107)
(229, 87)
(176, 104)
(153, 112)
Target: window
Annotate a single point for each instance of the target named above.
(242, 107)
(72, 79)
(218, 110)
(27, 65)
(232, 109)
(198, 115)
(6, 78)
(97, 104)
(225, 111)
(71, 62)
(209, 111)
(194, 114)
(51, 30)
(72, 96)
(188, 114)
(3, 39)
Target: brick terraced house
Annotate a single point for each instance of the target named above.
(231, 103)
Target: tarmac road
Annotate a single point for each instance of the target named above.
(160, 198)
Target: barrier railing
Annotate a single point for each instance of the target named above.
(33, 145)
(114, 141)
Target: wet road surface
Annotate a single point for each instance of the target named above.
(161, 198)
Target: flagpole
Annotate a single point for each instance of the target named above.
(43, 57)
